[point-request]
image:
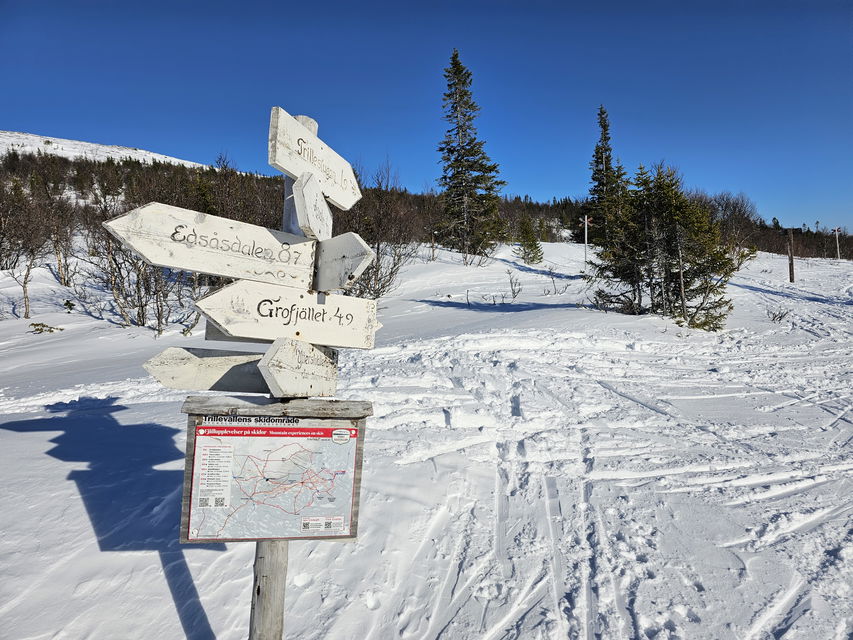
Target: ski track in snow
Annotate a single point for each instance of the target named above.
(574, 481)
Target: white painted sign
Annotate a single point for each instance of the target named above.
(299, 370)
(208, 370)
(294, 150)
(312, 213)
(340, 261)
(177, 238)
(254, 310)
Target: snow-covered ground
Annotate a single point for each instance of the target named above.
(31, 143)
(535, 469)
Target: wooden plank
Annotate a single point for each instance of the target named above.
(260, 406)
(189, 458)
(289, 223)
(177, 238)
(255, 310)
(266, 618)
(208, 370)
(312, 212)
(212, 332)
(294, 369)
(341, 261)
(294, 150)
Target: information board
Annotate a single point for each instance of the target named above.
(266, 477)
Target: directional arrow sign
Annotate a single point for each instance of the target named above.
(177, 238)
(312, 212)
(208, 369)
(254, 310)
(299, 370)
(340, 261)
(294, 150)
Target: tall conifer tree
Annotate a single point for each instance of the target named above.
(471, 223)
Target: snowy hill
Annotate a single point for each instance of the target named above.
(535, 469)
(30, 143)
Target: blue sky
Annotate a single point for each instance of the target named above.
(753, 97)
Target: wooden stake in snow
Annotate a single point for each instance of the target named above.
(791, 254)
(266, 621)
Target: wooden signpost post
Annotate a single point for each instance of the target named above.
(281, 296)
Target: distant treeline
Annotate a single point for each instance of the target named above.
(93, 191)
(54, 206)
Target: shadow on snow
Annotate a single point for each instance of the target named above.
(520, 266)
(503, 307)
(132, 506)
(794, 296)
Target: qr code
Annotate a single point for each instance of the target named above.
(306, 524)
(219, 502)
(328, 524)
(204, 502)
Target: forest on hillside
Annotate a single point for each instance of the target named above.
(51, 210)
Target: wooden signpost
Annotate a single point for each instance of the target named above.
(294, 149)
(312, 213)
(340, 261)
(299, 370)
(281, 296)
(207, 370)
(177, 238)
(254, 310)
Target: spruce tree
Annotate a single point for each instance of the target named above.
(471, 223)
(604, 181)
(529, 248)
(660, 250)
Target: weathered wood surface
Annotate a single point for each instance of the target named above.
(266, 620)
(312, 213)
(177, 238)
(289, 223)
(255, 310)
(212, 332)
(341, 261)
(260, 406)
(294, 150)
(192, 422)
(208, 370)
(294, 369)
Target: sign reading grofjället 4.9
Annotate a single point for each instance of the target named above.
(254, 310)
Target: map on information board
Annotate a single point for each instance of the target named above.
(268, 477)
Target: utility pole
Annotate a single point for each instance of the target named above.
(836, 231)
